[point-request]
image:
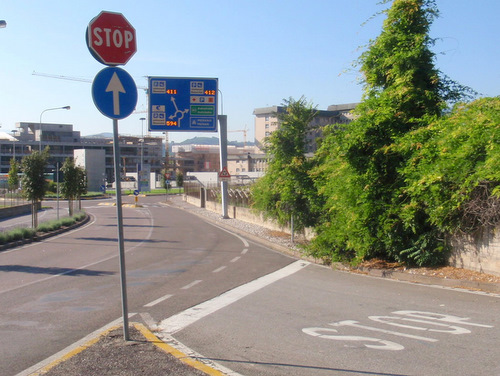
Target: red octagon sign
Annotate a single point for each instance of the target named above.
(111, 38)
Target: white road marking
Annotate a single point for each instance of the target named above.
(244, 251)
(219, 269)
(235, 259)
(159, 300)
(181, 320)
(194, 283)
(244, 241)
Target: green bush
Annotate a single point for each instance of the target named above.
(28, 232)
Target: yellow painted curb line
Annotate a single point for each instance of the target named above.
(178, 354)
(72, 353)
(150, 337)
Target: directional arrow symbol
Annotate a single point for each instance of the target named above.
(121, 85)
(115, 86)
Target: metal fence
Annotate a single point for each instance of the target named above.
(237, 195)
(9, 198)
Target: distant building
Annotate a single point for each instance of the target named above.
(206, 158)
(62, 141)
(266, 122)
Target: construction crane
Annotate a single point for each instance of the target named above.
(88, 80)
(80, 79)
(245, 130)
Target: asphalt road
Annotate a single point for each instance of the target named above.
(56, 292)
(246, 308)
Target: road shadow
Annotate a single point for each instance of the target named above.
(102, 239)
(53, 270)
(127, 225)
(305, 367)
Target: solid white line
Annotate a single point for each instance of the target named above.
(235, 259)
(181, 320)
(194, 283)
(159, 300)
(243, 240)
(219, 269)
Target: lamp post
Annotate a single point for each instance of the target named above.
(14, 131)
(48, 109)
(142, 153)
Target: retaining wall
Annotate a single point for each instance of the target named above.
(479, 253)
(14, 211)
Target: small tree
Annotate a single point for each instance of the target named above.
(74, 183)
(33, 181)
(179, 179)
(13, 180)
(287, 189)
(82, 185)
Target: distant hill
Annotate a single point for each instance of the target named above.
(209, 141)
(100, 135)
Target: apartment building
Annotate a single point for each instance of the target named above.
(266, 122)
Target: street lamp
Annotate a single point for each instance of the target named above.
(140, 174)
(49, 109)
(14, 131)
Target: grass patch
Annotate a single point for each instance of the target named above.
(29, 233)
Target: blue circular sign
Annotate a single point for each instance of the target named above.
(114, 93)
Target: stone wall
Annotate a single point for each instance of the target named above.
(245, 214)
(480, 252)
(17, 210)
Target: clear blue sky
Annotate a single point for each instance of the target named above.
(261, 51)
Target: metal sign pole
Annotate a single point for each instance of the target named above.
(223, 160)
(119, 214)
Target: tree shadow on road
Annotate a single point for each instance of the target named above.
(127, 240)
(53, 270)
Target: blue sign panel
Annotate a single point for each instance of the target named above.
(182, 104)
(114, 93)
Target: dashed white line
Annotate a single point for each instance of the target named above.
(159, 300)
(219, 269)
(235, 259)
(244, 251)
(194, 283)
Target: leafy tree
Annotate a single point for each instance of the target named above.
(359, 169)
(74, 183)
(33, 181)
(453, 169)
(287, 189)
(13, 179)
(179, 179)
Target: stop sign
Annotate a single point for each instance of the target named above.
(111, 38)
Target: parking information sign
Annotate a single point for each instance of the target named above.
(182, 104)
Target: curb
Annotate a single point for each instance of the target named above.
(430, 280)
(45, 235)
(149, 337)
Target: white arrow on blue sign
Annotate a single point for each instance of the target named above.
(114, 93)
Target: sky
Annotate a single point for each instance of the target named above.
(261, 51)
